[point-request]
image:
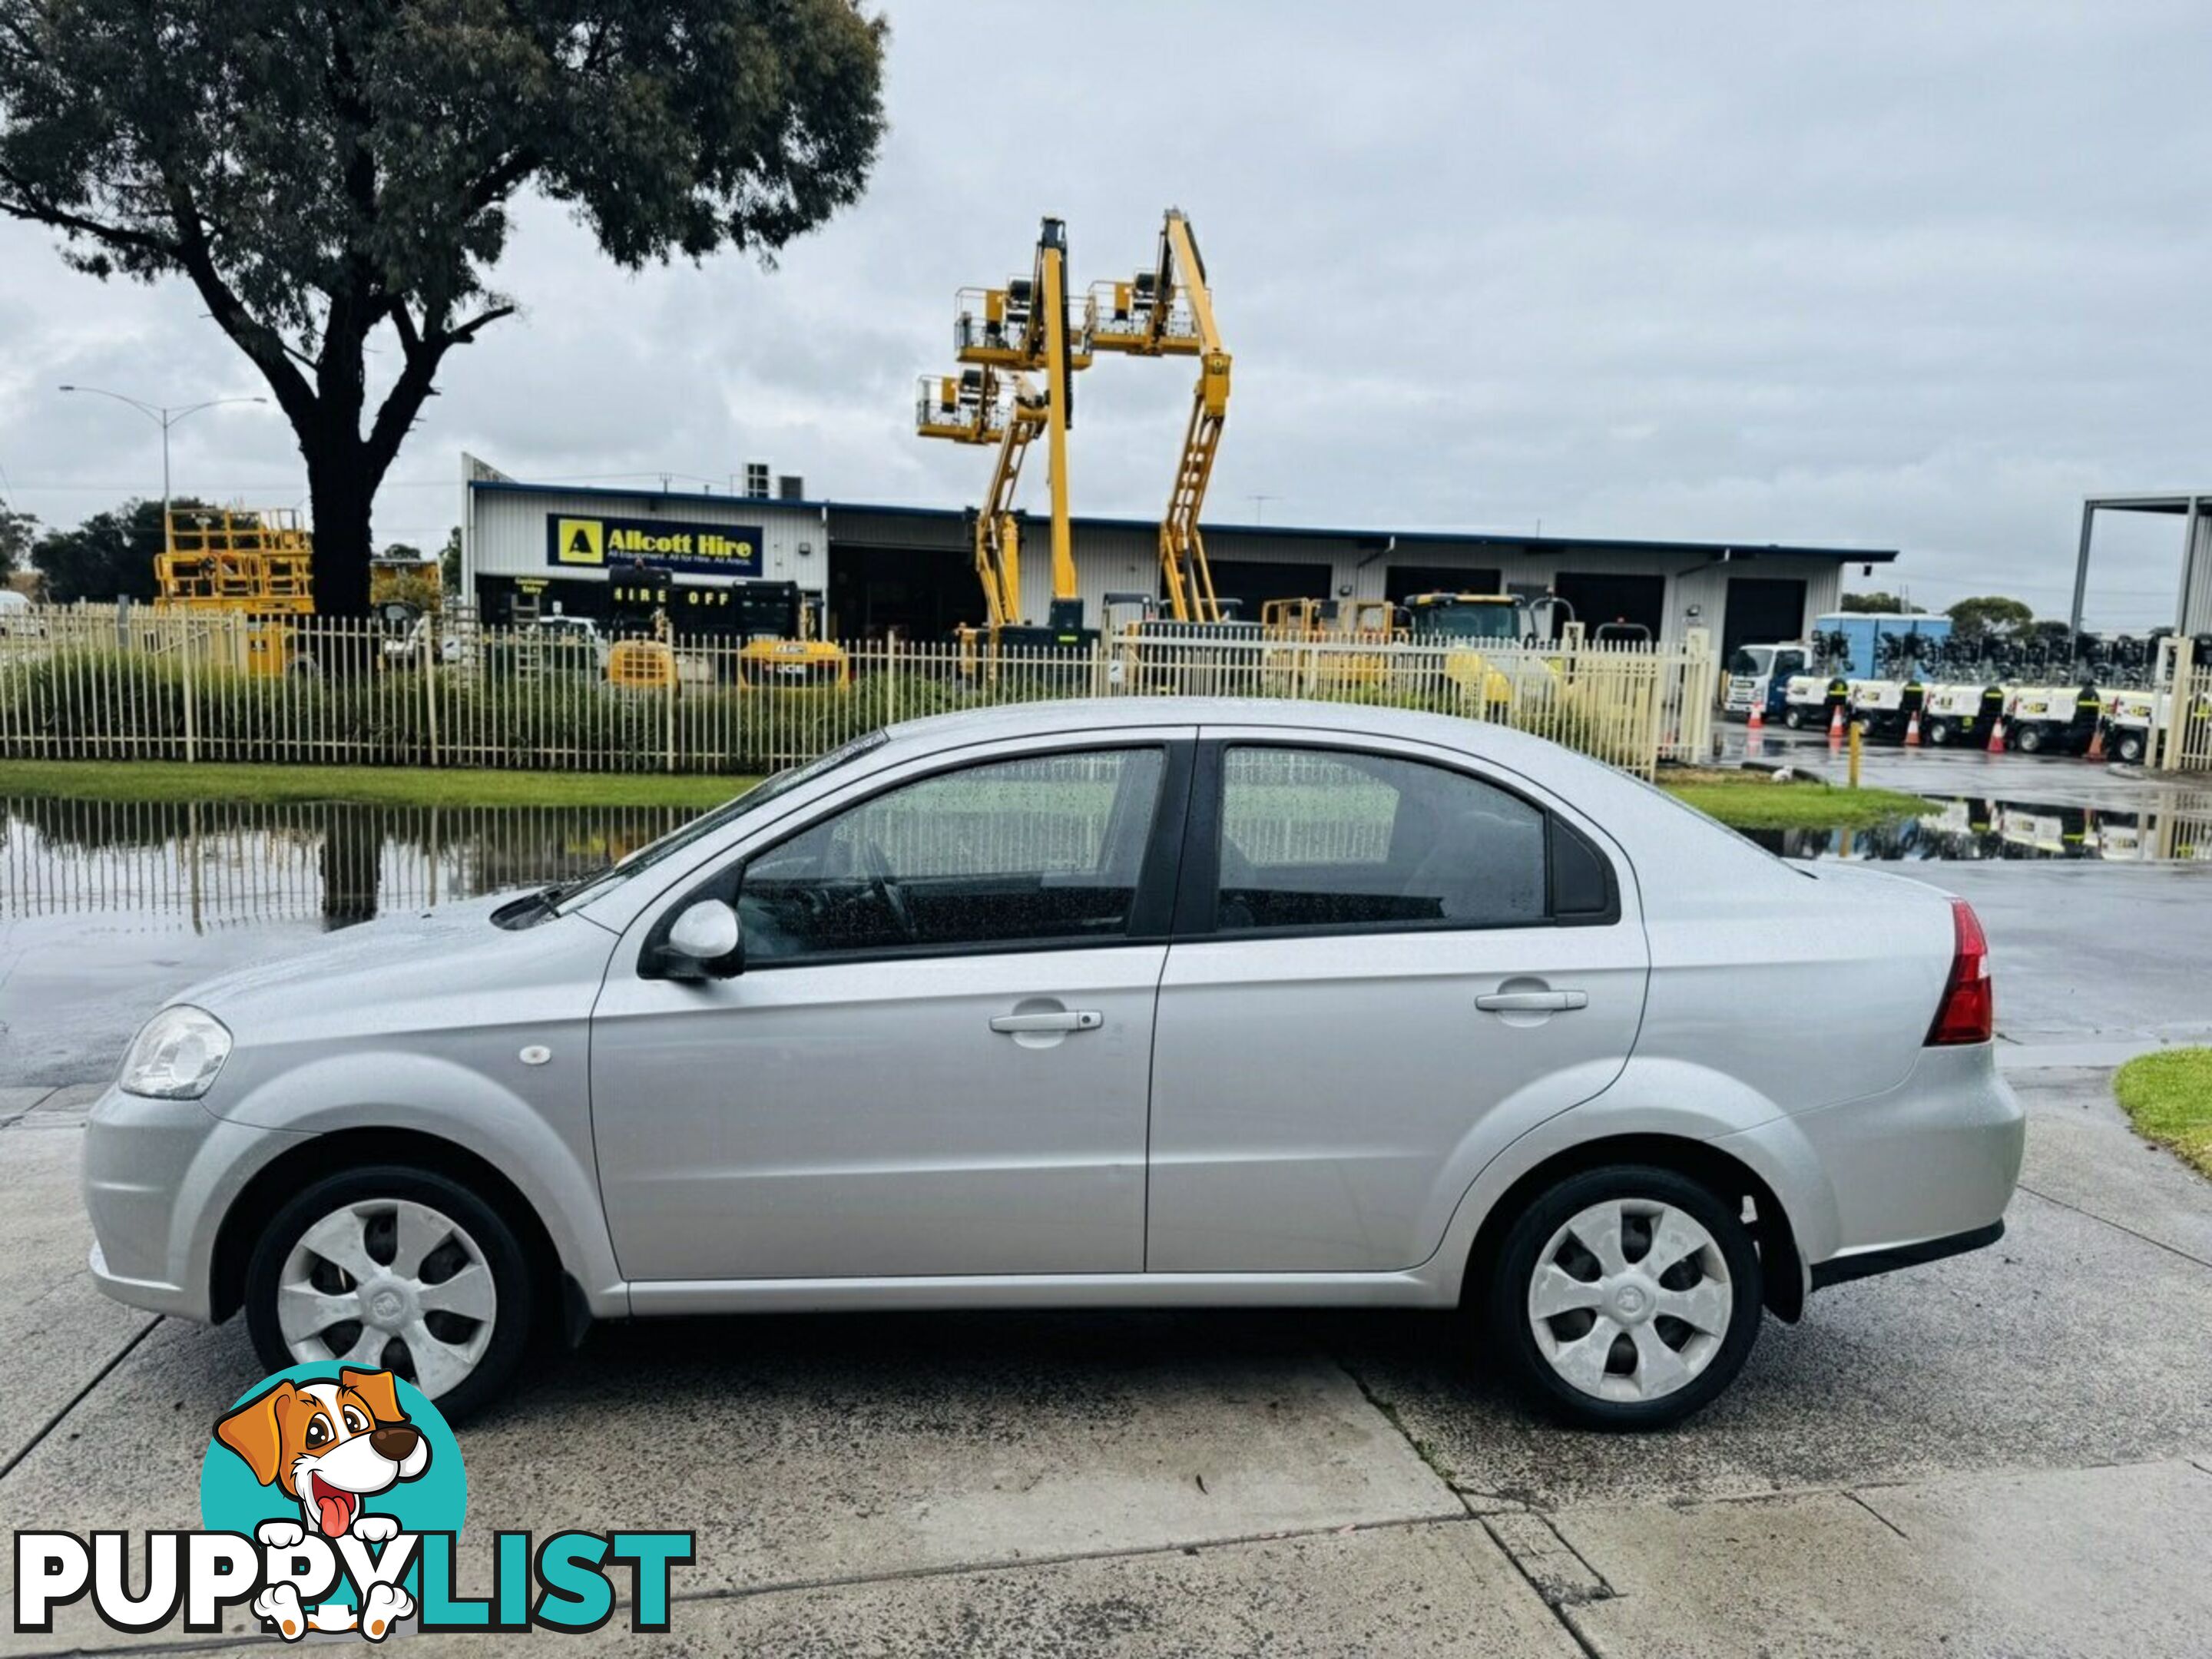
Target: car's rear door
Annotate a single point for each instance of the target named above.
(1377, 945)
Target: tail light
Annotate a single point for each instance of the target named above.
(1968, 1011)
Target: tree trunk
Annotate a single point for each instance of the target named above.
(341, 489)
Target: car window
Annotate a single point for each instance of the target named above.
(708, 823)
(1314, 838)
(1039, 848)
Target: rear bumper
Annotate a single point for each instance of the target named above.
(1865, 1264)
(1918, 1172)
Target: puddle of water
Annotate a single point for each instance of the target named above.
(1969, 828)
(206, 866)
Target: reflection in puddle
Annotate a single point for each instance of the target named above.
(207, 866)
(210, 865)
(2178, 827)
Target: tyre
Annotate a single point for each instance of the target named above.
(388, 1267)
(1940, 733)
(1794, 718)
(2030, 740)
(1626, 1297)
(2130, 747)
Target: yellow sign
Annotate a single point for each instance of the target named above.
(580, 541)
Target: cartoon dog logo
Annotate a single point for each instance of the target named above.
(328, 1446)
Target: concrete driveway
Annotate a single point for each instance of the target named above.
(2009, 1453)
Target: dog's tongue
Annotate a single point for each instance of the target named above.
(336, 1509)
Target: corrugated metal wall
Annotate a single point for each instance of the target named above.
(507, 530)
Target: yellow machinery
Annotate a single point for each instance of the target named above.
(1168, 312)
(1320, 622)
(1483, 634)
(259, 565)
(1020, 355)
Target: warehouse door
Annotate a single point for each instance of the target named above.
(1601, 599)
(922, 592)
(1255, 581)
(1761, 611)
(1401, 581)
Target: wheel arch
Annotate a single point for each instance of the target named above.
(1701, 1161)
(278, 1182)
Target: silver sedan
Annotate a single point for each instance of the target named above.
(1159, 1002)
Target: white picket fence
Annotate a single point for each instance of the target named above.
(140, 683)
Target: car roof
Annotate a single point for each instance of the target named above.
(1501, 743)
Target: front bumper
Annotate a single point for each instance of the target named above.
(1922, 1170)
(158, 1176)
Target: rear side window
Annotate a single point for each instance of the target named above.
(1313, 838)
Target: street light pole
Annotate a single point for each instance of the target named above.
(164, 416)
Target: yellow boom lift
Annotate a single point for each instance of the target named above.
(1168, 312)
(1020, 355)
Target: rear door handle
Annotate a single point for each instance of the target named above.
(1532, 1002)
(1065, 1019)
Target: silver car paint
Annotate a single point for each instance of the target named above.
(1782, 1019)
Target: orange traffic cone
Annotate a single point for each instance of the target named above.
(1836, 724)
(1912, 731)
(1997, 735)
(1758, 716)
(2097, 743)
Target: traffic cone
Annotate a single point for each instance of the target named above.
(1997, 735)
(2097, 743)
(1758, 717)
(1912, 731)
(1836, 724)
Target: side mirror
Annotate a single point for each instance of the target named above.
(704, 942)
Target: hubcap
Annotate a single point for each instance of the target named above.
(389, 1283)
(1631, 1300)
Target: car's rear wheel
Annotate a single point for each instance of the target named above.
(1626, 1296)
(398, 1269)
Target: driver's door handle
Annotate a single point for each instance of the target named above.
(1532, 1002)
(1065, 1019)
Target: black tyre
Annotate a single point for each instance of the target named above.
(389, 1267)
(1940, 733)
(1794, 718)
(2130, 747)
(1597, 1326)
(2030, 740)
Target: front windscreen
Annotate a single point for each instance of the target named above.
(709, 823)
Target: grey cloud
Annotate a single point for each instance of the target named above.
(1896, 274)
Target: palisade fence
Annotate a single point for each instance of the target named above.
(139, 683)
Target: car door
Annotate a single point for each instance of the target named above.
(1376, 948)
(935, 1056)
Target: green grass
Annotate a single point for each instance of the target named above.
(1743, 802)
(2168, 1097)
(381, 786)
(1754, 803)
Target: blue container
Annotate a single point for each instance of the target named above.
(1864, 631)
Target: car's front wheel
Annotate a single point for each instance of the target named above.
(392, 1269)
(1626, 1296)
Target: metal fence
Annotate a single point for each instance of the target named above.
(2182, 733)
(125, 683)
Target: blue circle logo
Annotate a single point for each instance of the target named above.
(326, 1465)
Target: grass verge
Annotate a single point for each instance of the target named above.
(1742, 801)
(2167, 1096)
(379, 786)
(1752, 801)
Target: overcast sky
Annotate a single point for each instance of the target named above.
(1914, 276)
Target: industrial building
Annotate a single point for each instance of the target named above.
(530, 550)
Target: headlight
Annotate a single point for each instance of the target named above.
(176, 1056)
